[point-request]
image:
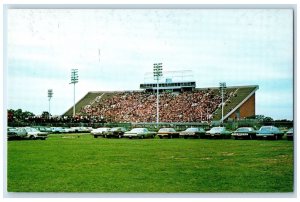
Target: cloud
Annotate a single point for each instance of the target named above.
(113, 49)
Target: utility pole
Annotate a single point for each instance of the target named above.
(74, 80)
(157, 73)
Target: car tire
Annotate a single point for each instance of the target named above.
(276, 137)
(32, 137)
(120, 136)
(142, 137)
(170, 136)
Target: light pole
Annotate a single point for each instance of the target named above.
(74, 80)
(157, 73)
(50, 94)
(222, 87)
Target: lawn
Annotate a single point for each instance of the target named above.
(85, 164)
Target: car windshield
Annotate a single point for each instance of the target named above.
(138, 130)
(13, 129)
(217, 129)
(243, 130)
(102, 129)
(31, 130)
(290, 130)
(166, 130)
(192, 130)
(115, 129)
(265, 129)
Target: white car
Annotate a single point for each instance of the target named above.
(16, 133)
(58, 130)
(218, 132)
(33, 134)
(81, 129)
(69, 130)
(139, 133)
(99, 131)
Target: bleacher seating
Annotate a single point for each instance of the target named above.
(139, 106)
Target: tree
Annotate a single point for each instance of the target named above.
(257, 117)
(18, 115)
(27, 114)
(45, 114)
(268, 119)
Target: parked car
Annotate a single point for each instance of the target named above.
(98, 132)
(290, 134)
(16, 133)
(218, 132)
(68, 130)
(139, 133)
(81, 129)
(44, 129)
(244, 133)
(33, 134)
(58, 130)
(115, 132)
(269, 132)
(192, 132)
(167, 132)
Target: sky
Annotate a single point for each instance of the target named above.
(114, 48)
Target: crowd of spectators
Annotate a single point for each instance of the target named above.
(190, 106)
(134, 107)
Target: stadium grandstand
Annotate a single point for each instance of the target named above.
(180, 101)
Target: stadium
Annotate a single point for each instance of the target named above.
(201, 129)
(180, 101)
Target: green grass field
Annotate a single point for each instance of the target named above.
(85, 164)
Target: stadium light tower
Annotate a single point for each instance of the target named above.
(74, 80)
(157, 73)
(50, 94)
(222, 88)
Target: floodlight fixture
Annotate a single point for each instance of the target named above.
(74, 80)
(50, 94)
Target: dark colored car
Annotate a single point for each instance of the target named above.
(290, 134)
(115, 132)
(218, 132)
(244, 133)
(167, 132)
(193, 132)
(269, 132)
